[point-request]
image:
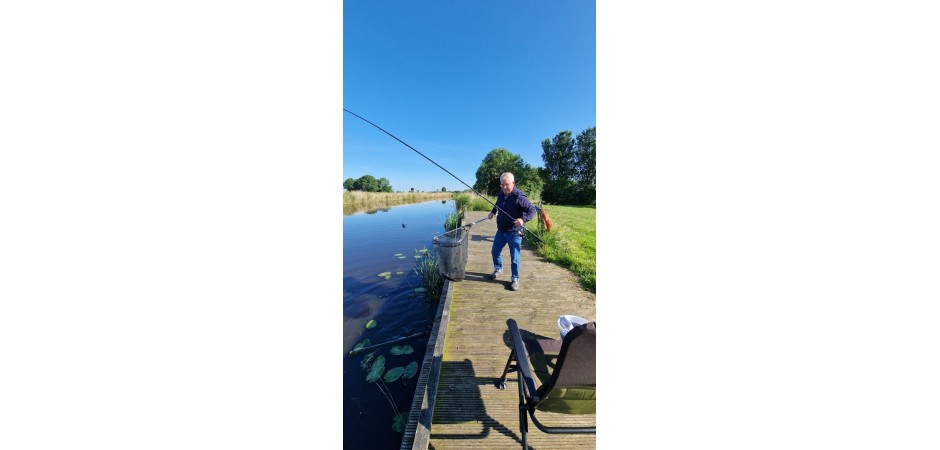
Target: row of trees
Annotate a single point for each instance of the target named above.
(367, 183)
(570, 171)
(569, 176)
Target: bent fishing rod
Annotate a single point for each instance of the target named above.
(442, 168)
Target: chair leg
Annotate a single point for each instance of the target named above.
(523, 419)
(523, 425)
(501, 384)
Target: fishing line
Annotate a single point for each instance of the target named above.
(438, 165)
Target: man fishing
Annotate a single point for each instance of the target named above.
(515, 210)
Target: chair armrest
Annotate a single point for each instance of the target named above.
(522, 360)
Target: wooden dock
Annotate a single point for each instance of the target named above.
(457, 404)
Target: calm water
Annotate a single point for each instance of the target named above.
(370, 243)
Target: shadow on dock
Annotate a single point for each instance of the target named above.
(463, 407)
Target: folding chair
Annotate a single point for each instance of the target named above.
(565, 372)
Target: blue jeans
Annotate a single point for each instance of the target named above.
(515, 245)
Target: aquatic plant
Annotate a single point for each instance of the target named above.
(375, 376)
(452, 221)
(429, 272)
(376, 370)
(401, 350)
(399, 422)
(393, 374)
(410, 370)
(461, 202)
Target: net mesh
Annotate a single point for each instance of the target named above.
(450, 250)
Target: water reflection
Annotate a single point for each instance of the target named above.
(379, 203)
(375, 242)
(349, 209)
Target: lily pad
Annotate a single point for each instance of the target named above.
(410, 370)
(398, 423)
(402, 257)
(419, 255)
(386, 275)
(399, 254)
(423, 250)
(399, 273)
(377, 368)
(370, 324)
(401, 350)
(393, 374)
(361, 345)
(420, 289)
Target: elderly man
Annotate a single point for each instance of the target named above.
(513, 209)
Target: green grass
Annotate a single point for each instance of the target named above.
(572, 242)
(479, 204)
(471, 202)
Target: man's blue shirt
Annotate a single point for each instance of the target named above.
(511, 207)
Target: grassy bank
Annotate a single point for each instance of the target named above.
(572, 242)
(357, 201)
(472, 202)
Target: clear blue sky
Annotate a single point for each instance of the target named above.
(457, 79)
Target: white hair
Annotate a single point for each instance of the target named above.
(506, 175)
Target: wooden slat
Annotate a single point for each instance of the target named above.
(418, 429)
(468, 410)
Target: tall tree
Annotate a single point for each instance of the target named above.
(559, 157)
(529, 180)
(383, 185)
(586, 155)
(366, 183)
(561, 166)
(496, 162)
(349, 184)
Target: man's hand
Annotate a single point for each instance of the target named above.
(490, 216)
(519, 222)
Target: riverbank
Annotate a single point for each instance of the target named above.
(359, 201)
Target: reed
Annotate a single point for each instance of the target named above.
(358, 201)
(432, 281)
(452, 221)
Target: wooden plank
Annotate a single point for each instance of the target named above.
(418, 430)
(469, 411)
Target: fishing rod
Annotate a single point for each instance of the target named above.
(442, 168)
(474, 223)
(467, 226)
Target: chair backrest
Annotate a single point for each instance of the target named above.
(571, 388)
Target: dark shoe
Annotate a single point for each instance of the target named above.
(495, 274)
(515, 285)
